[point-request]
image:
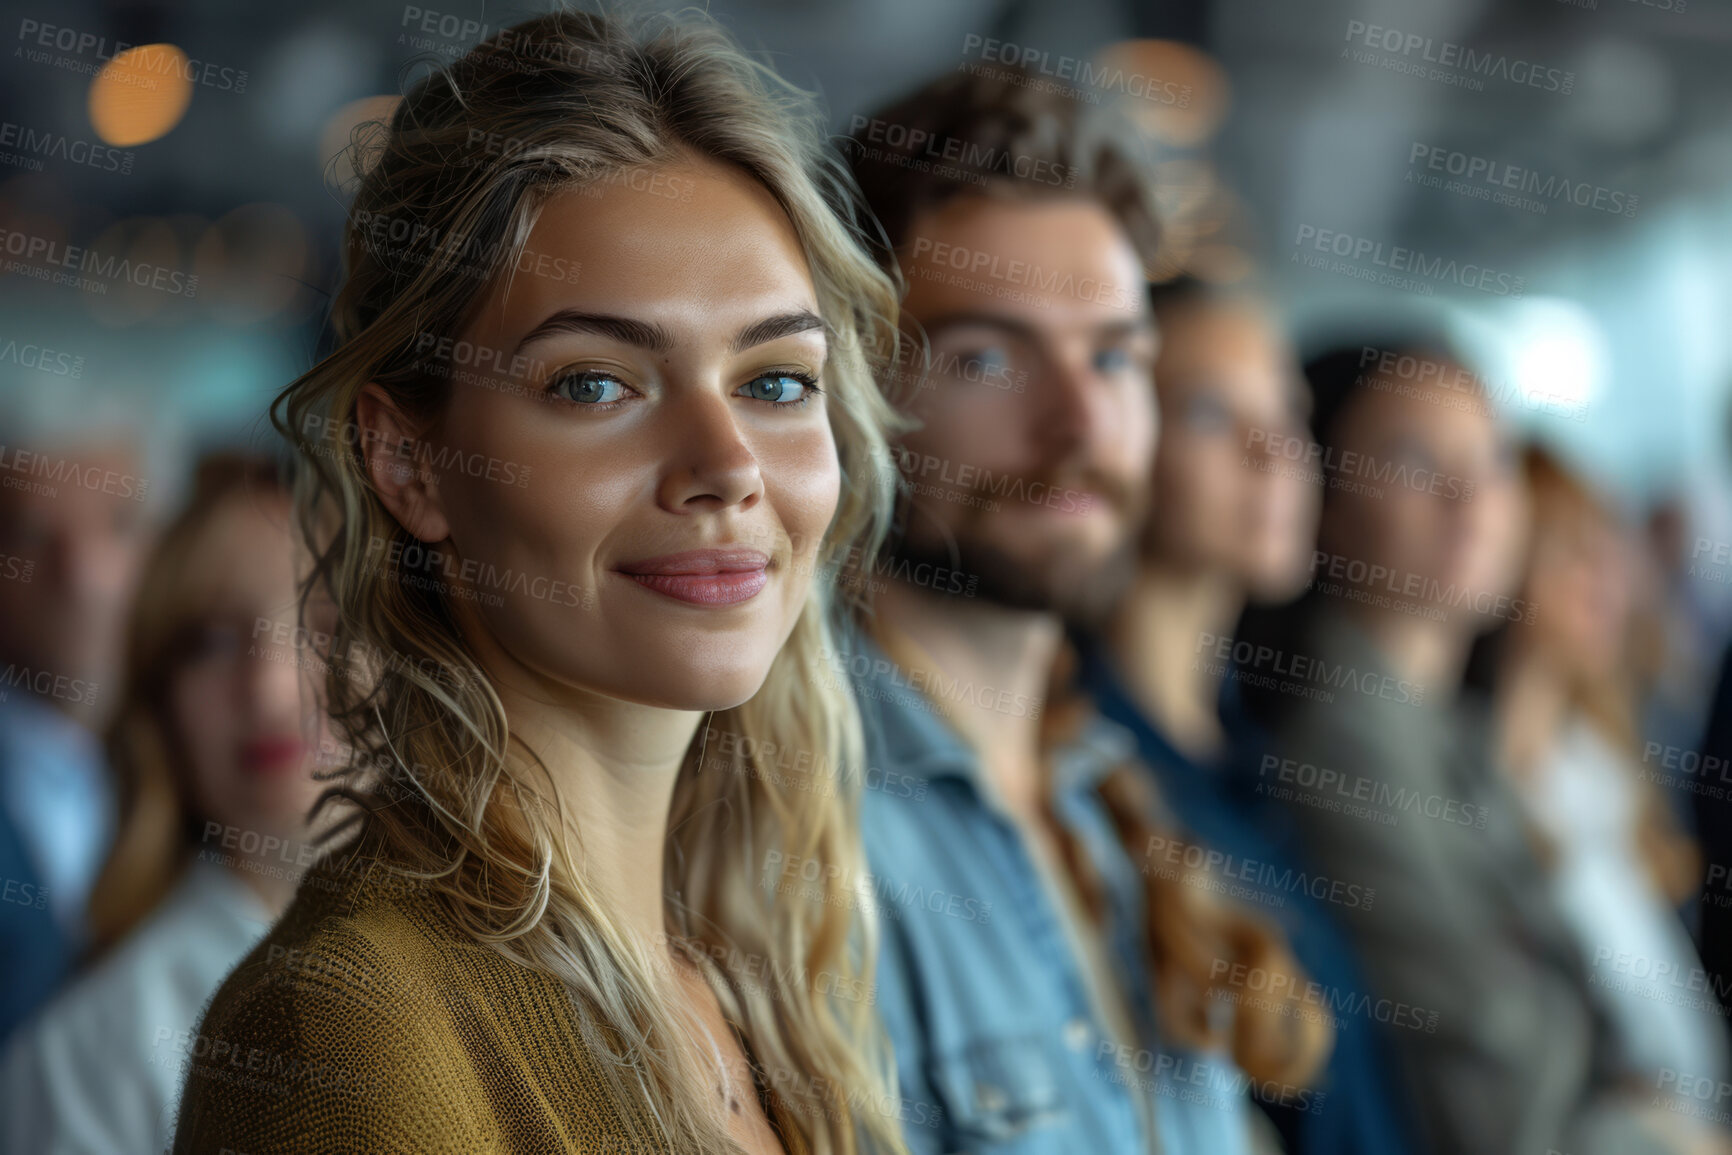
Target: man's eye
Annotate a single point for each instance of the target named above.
(1114, 360)
(590, 387)
(780, 388)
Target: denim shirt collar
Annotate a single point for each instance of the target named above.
(922, 743)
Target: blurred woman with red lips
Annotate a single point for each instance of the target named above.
(212, 750)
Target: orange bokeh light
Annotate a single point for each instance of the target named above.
(140, 94)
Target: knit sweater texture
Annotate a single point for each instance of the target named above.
(365, 1021)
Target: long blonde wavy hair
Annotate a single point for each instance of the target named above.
(440, 216)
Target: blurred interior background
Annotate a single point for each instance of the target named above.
(1288, 121)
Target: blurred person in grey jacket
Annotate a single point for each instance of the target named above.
(1390, 774)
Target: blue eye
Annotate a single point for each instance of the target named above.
(780, 388)
(590, 387)
(1112, 360)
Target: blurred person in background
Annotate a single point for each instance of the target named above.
(73, 528)
(1234, 518)
(212, 752)
(1063, 995)
(1566, 714)
(1394, 784)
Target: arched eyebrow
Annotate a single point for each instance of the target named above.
(655, 338)
(777, 327)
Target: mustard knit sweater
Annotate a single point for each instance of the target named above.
(365, 1022)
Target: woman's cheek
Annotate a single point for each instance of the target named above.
(803, 481)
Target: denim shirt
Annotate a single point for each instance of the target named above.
(998, 1049)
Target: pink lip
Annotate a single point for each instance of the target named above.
(705, 577)
(273, 755)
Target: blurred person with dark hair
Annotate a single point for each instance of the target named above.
(72, 533)
(1065, 996)
(212, 750)
(1234, 519)
(1394, 784)
(1566, 713)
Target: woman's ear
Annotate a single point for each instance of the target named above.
(388, 446)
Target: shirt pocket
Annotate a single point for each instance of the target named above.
(997, 1090)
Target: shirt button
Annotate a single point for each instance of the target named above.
(988, 1097)
(1077, 1033)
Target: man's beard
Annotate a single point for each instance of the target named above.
(1057, 582)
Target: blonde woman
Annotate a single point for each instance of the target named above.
(1565, 713)
(598, 411)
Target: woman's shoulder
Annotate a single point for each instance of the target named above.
(336, 1030)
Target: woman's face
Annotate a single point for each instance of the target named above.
(235, 697)
(633, 508)
(1428, 497)
(1233, 495)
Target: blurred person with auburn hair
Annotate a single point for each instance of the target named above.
(74, 522)
(1234, 519)
(213, 764)
(1394, 784)
(600, 407)
(1566, 708)
(1052, 975)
